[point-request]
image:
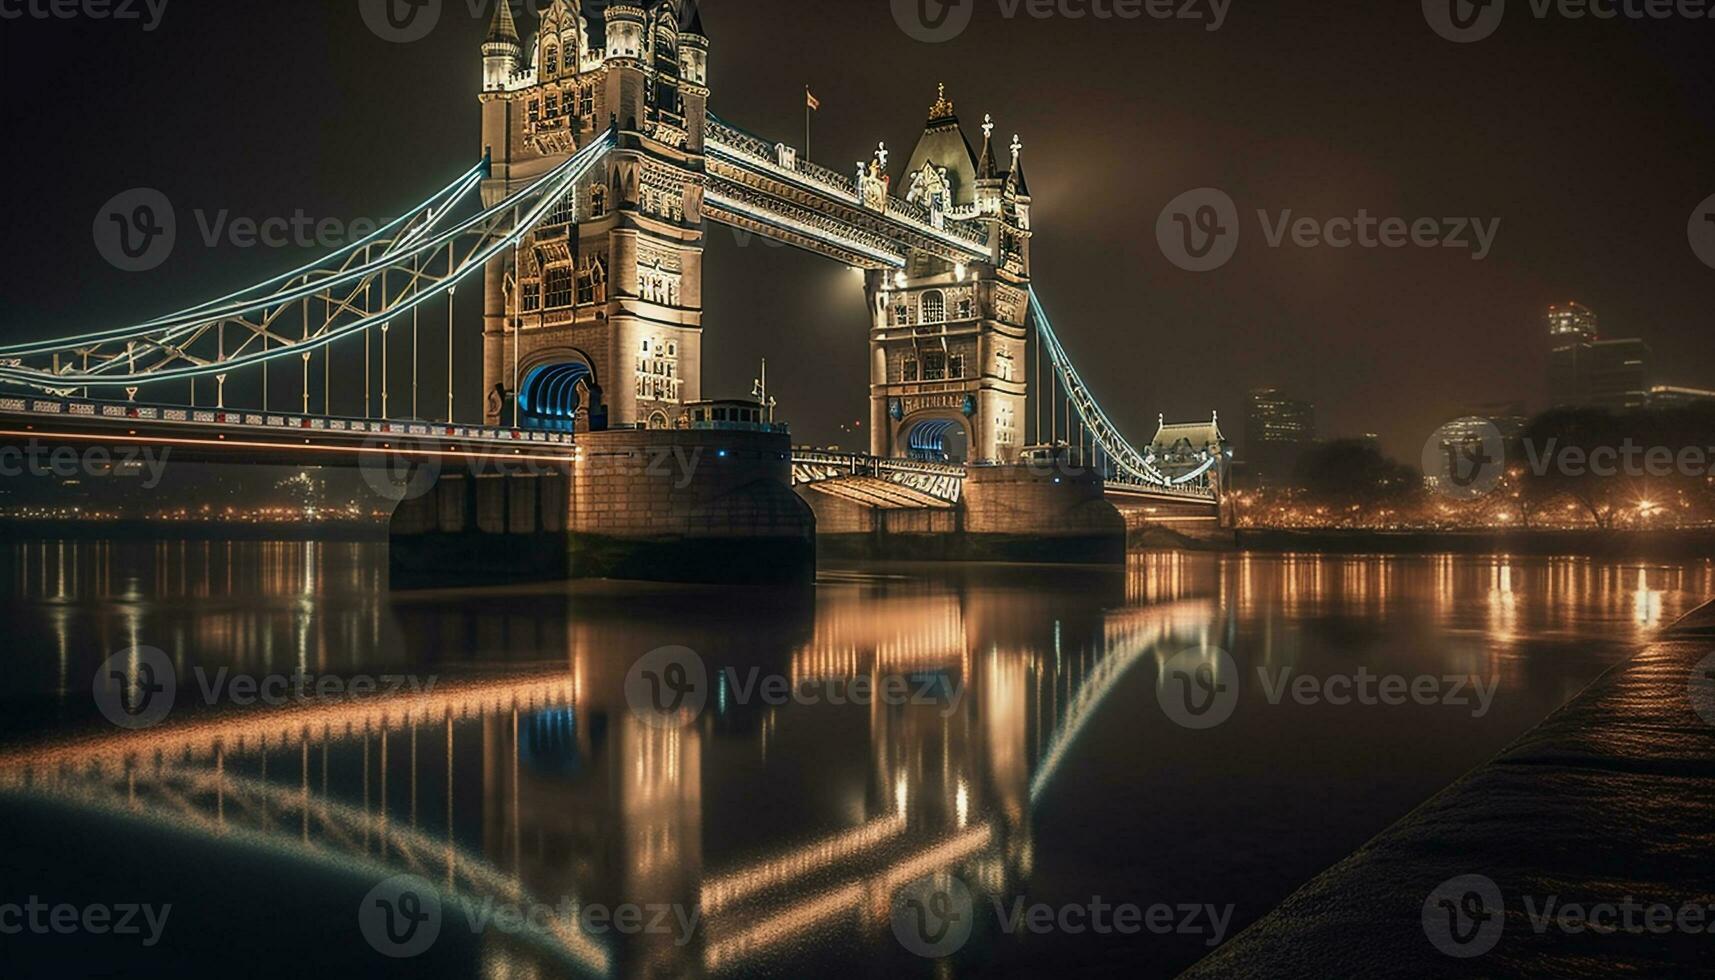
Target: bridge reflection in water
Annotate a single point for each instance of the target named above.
(523, 777)
(543, 786)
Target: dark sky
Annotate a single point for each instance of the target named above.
(1591, 141)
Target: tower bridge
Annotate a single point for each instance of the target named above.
(586, 221)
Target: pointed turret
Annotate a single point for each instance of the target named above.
(691, 21)
(945, 148)
(503, 28)
(1015, 182)
(986, 169)
(501, 51)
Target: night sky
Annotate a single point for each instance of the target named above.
(1592, 142)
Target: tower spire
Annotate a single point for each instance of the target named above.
(503, 28)
(1016, 178)
(986, 168)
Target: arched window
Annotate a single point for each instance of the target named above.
(551, 60)
(934, 307)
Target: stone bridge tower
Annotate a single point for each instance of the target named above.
(607, 292)
(949, 341)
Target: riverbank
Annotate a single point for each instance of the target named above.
(138, 530)
(1610, 800)
(1675, 545)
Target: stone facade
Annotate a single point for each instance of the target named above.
(613, 277)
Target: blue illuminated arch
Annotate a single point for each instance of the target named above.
(927, 440)
(548, 398)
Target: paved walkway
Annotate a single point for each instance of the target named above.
(1611, 799)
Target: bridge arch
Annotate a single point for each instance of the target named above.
(548, 395)
(936, 436)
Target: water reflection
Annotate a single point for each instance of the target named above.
(523, 776)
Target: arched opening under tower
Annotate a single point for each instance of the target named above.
(549, 397)
(938, 440)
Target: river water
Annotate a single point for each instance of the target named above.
(268, 764)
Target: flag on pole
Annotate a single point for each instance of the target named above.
(810, 101)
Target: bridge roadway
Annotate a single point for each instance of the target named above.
(268, 438)
(235, 435)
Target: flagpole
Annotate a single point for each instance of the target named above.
(807, 113)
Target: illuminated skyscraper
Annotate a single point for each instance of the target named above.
(1278, 428)
(1585, 370)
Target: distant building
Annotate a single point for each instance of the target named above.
(1278, 429)
(1669, 396)
(1509, 417)
(1184, 451)
(1586, 371)
(1617, 374)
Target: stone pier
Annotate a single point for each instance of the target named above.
(689, 506)
(657, 505)
(1014, 513)
(466, 528)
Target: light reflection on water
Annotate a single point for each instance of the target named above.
(521, 774)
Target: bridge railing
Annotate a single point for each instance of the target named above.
(170, 415)
(863, 464)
